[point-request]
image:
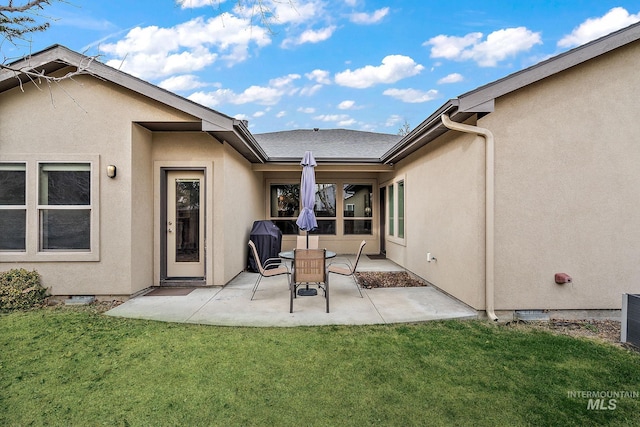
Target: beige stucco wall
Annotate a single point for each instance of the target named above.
(244, 197)
(234, 198)
(444, 210)
(90, 117)
(142, 231)
(567, 180)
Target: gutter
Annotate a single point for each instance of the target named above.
(489, 206)
(251, 143)
(420, 135)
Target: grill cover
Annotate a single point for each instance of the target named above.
(268, 239)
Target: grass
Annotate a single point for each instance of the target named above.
(76, 367)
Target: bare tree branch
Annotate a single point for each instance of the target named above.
(27, 6)
(38, 76)
(19, 19)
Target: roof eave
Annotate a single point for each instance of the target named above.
(551, 66)
(428, 130)
(482, 100)
(221, 126)
(342, 160)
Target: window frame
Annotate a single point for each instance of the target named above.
(339, 217)
(52, 207)
(355, 218)
(396, 230)
(15, 207)
(276, 219)
(33, 209)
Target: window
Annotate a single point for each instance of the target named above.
(285, 206)
(396, 209)
(340, 207)
(49, 208)
(357, 208)
(325, 208)
(64, 206)
(391, 204)
(13, 210)
(400, 186)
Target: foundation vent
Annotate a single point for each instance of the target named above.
(532, 315)
(80, 300)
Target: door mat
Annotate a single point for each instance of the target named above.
(169, 292)
(377, 256)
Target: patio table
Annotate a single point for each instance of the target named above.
(289, 255)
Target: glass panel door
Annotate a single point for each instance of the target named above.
(187, 220)
(185, 224)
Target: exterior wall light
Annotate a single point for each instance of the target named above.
(111, 171)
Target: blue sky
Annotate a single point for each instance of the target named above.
(355, 64)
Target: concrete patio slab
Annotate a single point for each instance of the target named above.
(231, 305)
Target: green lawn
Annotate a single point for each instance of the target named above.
(77, 367)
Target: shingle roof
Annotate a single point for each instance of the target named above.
(335, 145)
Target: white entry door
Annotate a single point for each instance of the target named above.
(185, 224)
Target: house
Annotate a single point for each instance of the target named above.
(111, 185)
(117, 185)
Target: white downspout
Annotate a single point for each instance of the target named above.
(489, 208)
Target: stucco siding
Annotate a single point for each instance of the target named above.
(444, 194)
(182, 150)
(92, 118)
(142, 209)
(244, 201)
(567, 183)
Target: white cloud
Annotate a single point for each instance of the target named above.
(393, 120)
(372, 18)
(594, 28)
(413, 96)
(154, 65)
(332, 117)
(272, 11)
(295, 12)
(213, 99)
(341, 120)
(307, 110)
(346, 105)
(451, 47)
(192, 4)
(152, 52)
(498, 46)
(259, 114)
(310, 90)
(281, 114)
(310, 36)
(451, 78)
(346, 122)
(393, 69)
(319, 76)
(182, 82)
(263, 95)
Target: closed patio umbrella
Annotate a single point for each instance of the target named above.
(307, 218)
